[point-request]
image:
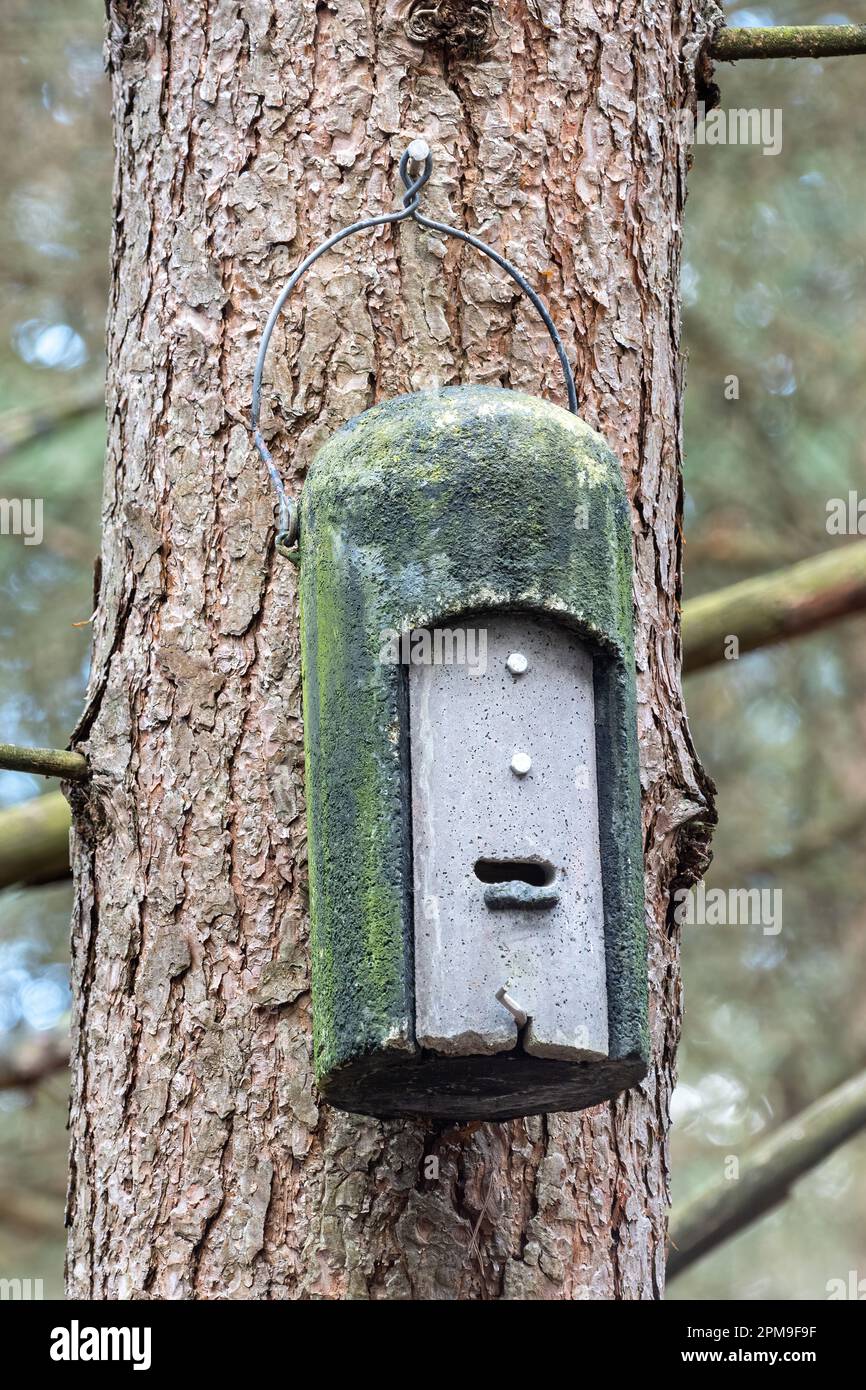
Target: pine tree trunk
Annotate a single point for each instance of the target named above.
(203, 1164)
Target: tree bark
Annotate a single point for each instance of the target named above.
(203, 1164)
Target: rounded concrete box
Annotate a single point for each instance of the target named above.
(476, 875)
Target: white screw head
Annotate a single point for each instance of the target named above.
(520, 764)
(418, 150)
(517, 663)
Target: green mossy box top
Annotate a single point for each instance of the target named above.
(441, 504)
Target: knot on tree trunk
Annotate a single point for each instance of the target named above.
(465, 26)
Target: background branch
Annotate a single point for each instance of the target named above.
(773, 607)
(34, 840)
(30, 1214)
(767, 1174)
(814, 841)
(20, 427)
(34, 1061)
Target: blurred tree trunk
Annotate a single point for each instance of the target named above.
(202, 1163)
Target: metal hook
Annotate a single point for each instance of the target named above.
(418, 152)
(520, 1016)
(445, 229)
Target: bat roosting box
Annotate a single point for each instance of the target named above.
(476, 876)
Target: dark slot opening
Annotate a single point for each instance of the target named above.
(534, 871)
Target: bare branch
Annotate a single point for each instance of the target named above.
(789, 41)
(767, 1174)
(774, 607)
(44, 762)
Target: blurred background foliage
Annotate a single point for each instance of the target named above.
(774, 291)
(774, 288)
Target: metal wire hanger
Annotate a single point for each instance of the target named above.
(418, 153)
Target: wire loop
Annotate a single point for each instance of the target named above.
(417, 153)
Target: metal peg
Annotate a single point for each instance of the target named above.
(418, 151)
